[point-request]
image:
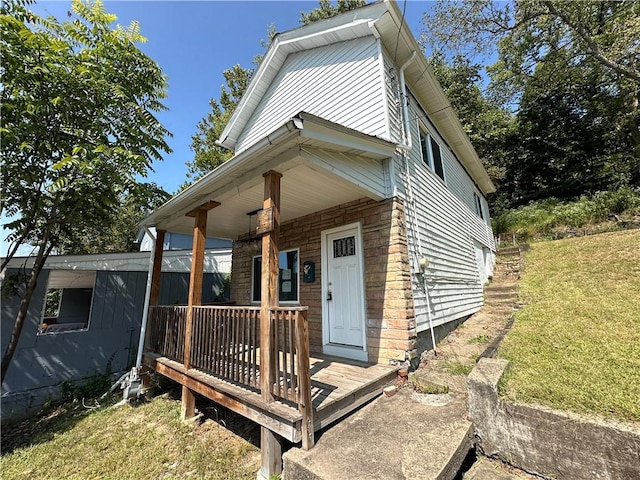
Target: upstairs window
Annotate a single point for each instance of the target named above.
(288, 278)
(431, 154)
(478, 204)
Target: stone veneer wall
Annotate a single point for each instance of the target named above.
(391, 329)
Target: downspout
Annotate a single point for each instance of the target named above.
(406, 147)
(130, 382)
(406, 140)
(147, 296)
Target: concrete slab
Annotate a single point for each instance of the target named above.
(397, 437)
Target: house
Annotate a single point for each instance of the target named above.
(84, 318)
(357, 207)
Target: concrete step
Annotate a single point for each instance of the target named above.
(397, 437)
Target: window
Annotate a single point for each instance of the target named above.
(431, 154)
(478, 204)
(288, 278)
(67, 304)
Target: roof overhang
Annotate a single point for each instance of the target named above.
(296, 149)
(385, 21)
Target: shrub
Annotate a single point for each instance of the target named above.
(549, 217)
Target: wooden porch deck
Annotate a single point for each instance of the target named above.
(338, 386)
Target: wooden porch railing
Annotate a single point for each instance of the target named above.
(225, 342)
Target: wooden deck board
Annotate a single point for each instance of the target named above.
(338, 386)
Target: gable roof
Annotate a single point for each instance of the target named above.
(385, 21)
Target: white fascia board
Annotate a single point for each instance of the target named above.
(317, 128)
(198, 193)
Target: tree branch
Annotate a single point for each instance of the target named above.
(594, 48)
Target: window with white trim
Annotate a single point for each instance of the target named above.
(478, 204)
(288, 278)
(431, 154)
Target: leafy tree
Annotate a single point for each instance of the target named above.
(530, 31)
(207, 153)
(326, 10)
(119, 232)
(485, 121)
(77, 102)
(571, 73)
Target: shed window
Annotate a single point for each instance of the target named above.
(288, 278)
(478, 204)
(67, 305)
(431, 154)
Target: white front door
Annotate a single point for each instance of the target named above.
(343, 291)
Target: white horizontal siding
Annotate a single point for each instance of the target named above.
(367, 174)
(340, 82)
(447, 226)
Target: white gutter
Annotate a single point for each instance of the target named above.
(147, 296)
(406, 141)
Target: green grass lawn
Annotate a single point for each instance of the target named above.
(576, 343)
(144, 442)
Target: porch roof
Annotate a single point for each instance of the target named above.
(323, 164)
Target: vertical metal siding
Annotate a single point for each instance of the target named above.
(339, 82)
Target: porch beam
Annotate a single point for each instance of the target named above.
(195, 296)
(210, 205)
(270, 443)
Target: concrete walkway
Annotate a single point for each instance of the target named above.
(414, 435)
(393, 438)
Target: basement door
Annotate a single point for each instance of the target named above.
(343, 292)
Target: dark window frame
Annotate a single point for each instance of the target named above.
(256, 279)
(478, 204)
(431, 153)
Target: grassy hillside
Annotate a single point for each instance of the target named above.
(576, 343)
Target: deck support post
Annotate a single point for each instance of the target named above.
(270, 447)
(156, 274)
(188, 409)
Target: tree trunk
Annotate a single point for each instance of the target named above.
(43, 253)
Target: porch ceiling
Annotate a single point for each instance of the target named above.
(305, 151)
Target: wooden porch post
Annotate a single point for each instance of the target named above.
(270, 446)
(195, 296)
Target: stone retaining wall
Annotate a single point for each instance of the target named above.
(548, 442)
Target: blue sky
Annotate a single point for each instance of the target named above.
(194, 42)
